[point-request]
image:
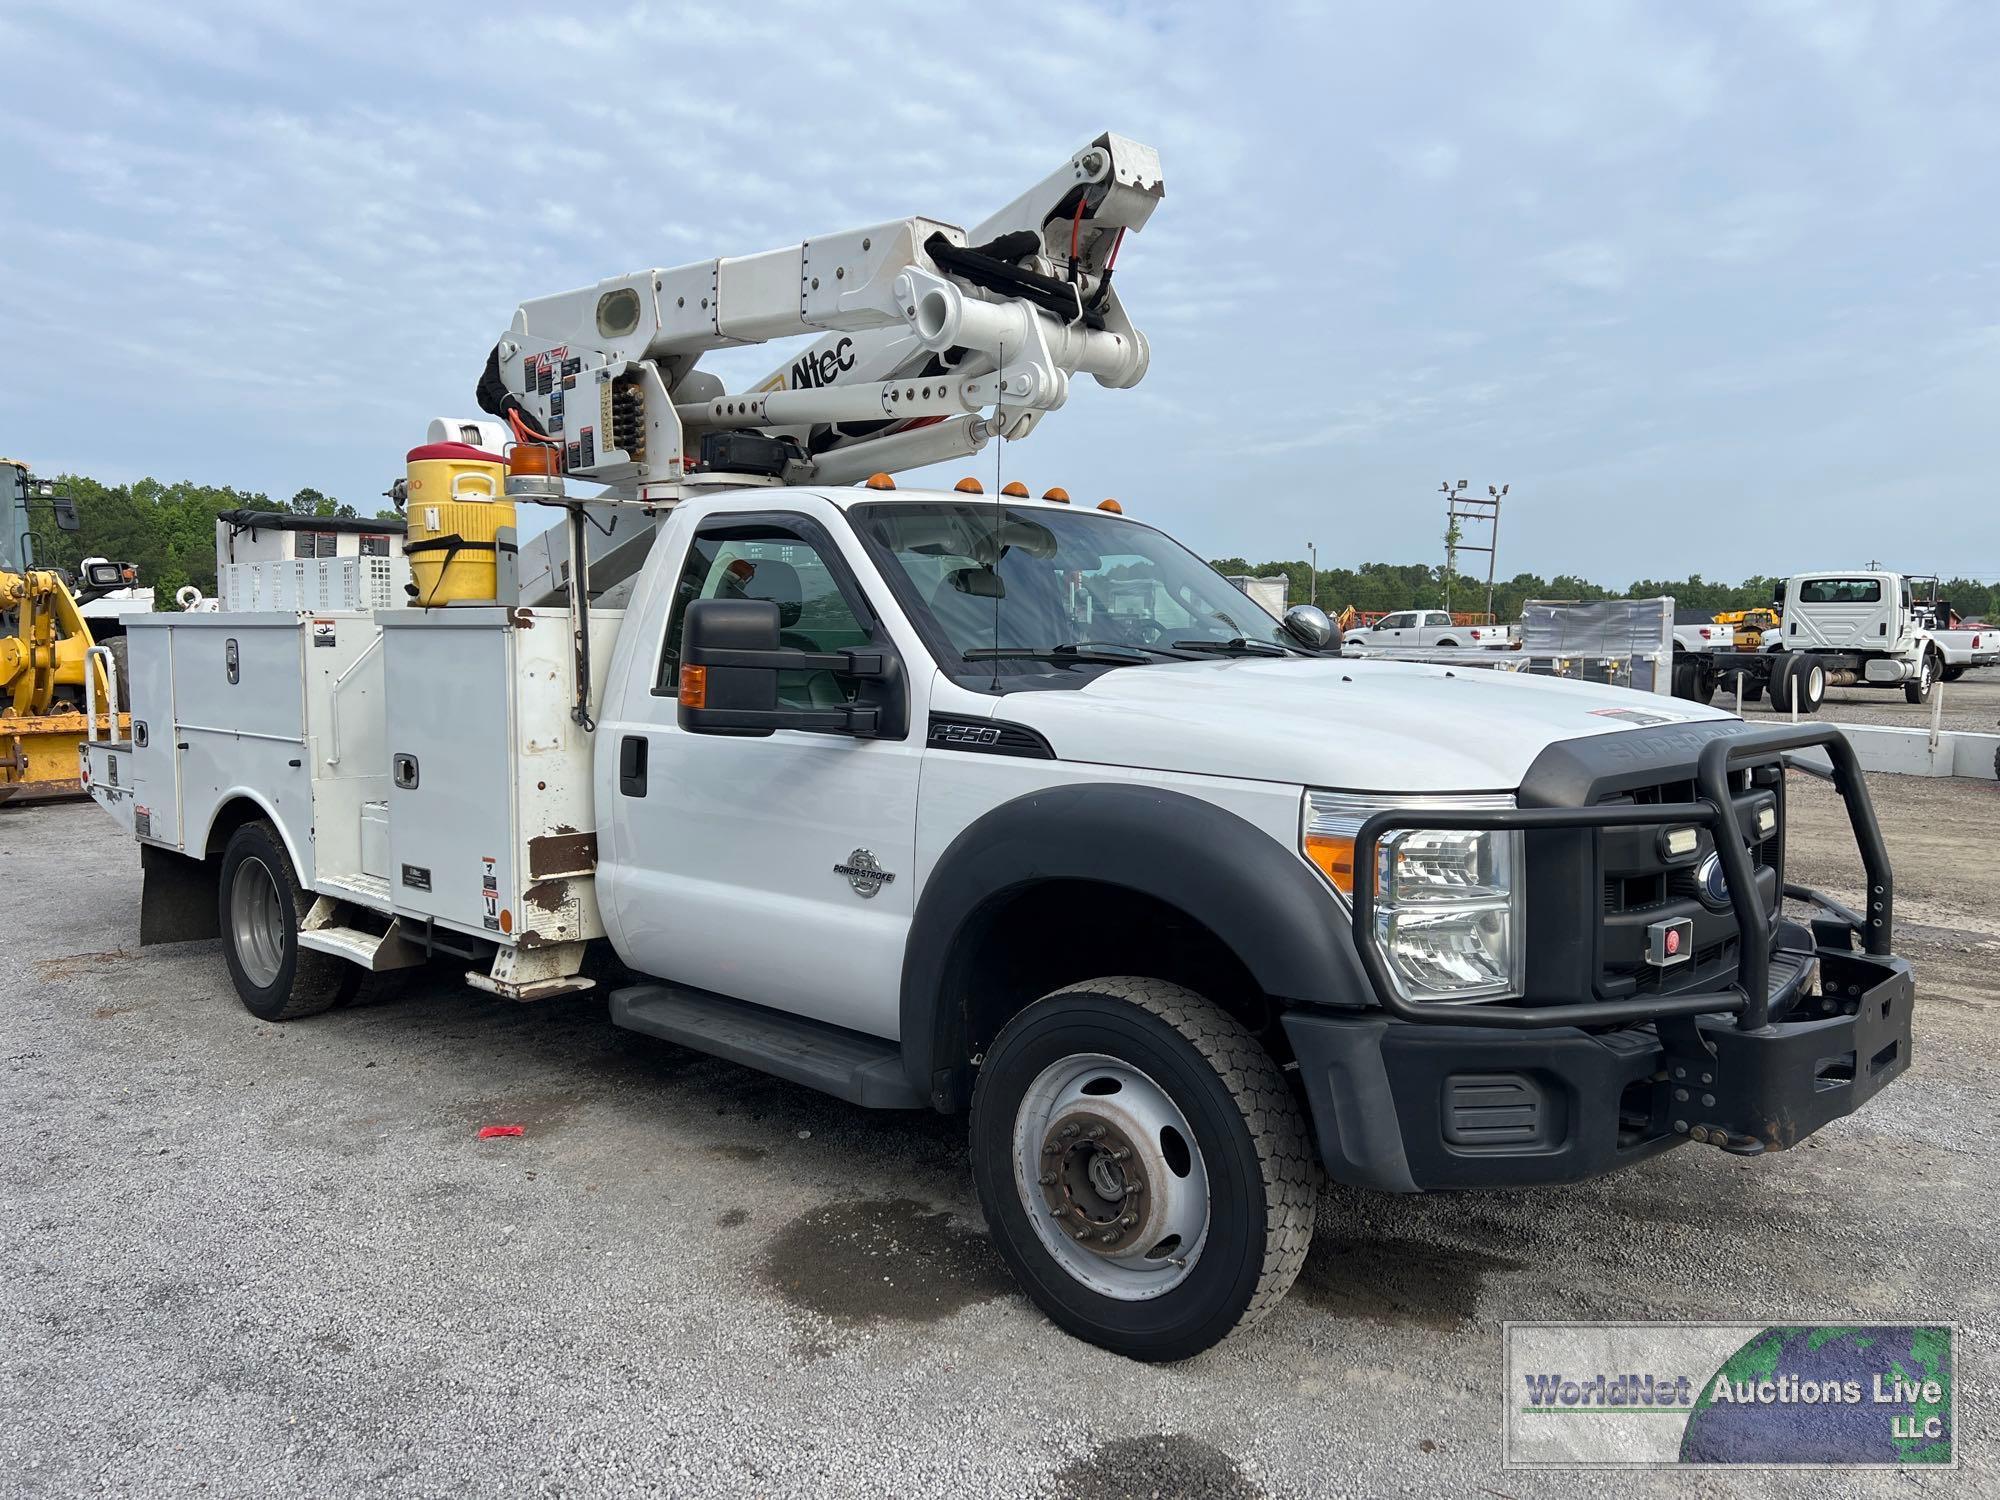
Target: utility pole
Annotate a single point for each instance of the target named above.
(1459, 509)
(1312, 580)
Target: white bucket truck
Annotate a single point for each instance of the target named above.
(1003, 804)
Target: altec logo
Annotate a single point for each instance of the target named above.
(818, 367)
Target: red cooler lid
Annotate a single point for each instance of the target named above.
(463, 452)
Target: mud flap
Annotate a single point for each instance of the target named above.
(177, 903)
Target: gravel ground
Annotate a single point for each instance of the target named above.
(244, 1258)
(1973, 702)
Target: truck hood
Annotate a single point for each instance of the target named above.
(1352, 724)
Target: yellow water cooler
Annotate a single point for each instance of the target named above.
(457, 507)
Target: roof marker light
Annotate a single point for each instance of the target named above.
(1061, 497)
(880, 482)
(1015, 488)
(969, 486)
(1111, 505)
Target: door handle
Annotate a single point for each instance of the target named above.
(632, 765)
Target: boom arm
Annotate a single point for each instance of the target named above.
(929, 346)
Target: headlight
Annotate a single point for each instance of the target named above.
(1447, 903)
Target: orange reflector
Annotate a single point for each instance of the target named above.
(535, 458)
(1333, 853)
(694, 689)
(1015, 488)
(1111, 505)
(1058, 494)
(880, 482)
(969, 486)
(506, 920)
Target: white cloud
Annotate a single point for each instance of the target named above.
(1592, 245)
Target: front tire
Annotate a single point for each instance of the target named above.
(260, 904)
(1920, 690)
(1143, 1165)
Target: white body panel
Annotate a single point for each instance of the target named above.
(493, 835)
(1881, 625)
(722, 875)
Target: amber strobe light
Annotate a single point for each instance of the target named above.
(537, 459)
(969, 486)
(694, 688)
(1111, 505)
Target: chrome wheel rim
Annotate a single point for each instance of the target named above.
(257, 922)
(1111, 1177)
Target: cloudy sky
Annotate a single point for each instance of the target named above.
(1713, 286)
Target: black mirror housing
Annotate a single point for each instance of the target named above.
(730, 661)
(65, 513)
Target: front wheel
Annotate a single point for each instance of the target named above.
(260, 905)
(1920, 690)
(1143, 1165)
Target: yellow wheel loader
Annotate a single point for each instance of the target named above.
(53, 673)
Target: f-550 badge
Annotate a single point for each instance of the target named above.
(864, 872)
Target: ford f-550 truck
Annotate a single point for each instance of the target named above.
(1001, 805)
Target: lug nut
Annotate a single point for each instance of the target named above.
(1048, 1179)
(1700, 1132)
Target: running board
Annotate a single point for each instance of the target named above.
(850, 1065)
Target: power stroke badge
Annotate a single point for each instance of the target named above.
(864, 872)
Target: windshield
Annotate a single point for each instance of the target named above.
(987, 581)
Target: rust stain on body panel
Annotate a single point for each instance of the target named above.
(554, 854)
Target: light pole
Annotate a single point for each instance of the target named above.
(1312, 578)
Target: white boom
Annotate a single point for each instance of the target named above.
(932, 342)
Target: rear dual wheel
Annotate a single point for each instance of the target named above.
(1143, 1165)
(260, 904)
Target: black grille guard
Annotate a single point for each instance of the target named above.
(1749, 997)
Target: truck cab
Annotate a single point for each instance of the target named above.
(1865, 627)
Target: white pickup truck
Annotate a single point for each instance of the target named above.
(1002, 805)
(1428, 628)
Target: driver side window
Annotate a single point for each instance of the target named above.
(813, 614)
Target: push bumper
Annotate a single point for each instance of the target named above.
(1408, 1107)
(1424, 1094)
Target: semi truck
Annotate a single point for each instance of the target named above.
(997, 803)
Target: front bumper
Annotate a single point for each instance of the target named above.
(1408, 1107)
(1426, 1094)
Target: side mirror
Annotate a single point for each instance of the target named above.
(1778, 593)
(730, 661)
(66, 516)
(1309, 626)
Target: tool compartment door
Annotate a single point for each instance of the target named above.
(156, 770)
(239, 723)
(448, 678)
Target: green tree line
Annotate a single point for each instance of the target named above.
(1390, 586)
(166, 530)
